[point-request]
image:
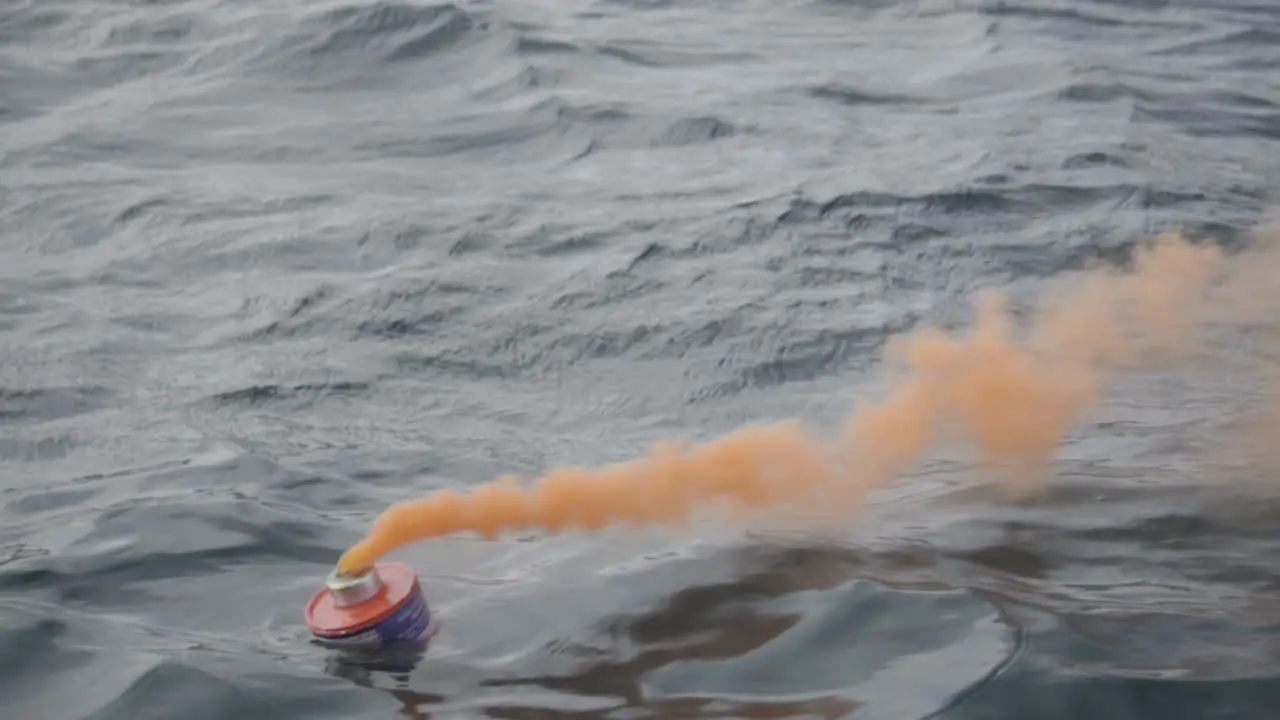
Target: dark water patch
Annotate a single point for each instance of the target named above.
(952, 205)
(25, 93)
(691, 131)
(853, 96)
(410, 310)
(905, 223)
(1026, 690)
(643, 4)
(818, 276)
(1026, 197)
(415, 311)
(538, 349)
(652, 252)
(1073, 251)
(518, 85)
(975, 201)
(862, 610)
(530, 45)
(101, 147)
(556, 240)
(516, 346)
(1229, 43)
(572, 348)
(628, 56)
(796, 357)
(1213, 215)
(334, 486)
(1152, 197)
(21, 23)
(429, 27)
(1241, 99)
(227, 254)
(1095, 159)
(738, 234)
(830, 256)
(602, 128)
(165, 540)
(1216, 113)
(908, 233)
(1159, 530)
(1102, 92)
(473, 241)
(300, 394)
(178, 687)
(288, 328)
(400, 239)
(613, 126)
(572, 245)
(42, 501)
(235, 208)
(1062, 18)
(35, 405)
(412, 292)
(271, 482)
(1211, 124)
(124, 66)
(717, 648)
(868, 7)
(813, 357)
(19, 552)
(444, 33)
(454, 363)
(34, 450)
(1021, 562)
(309, 302)
(596, 113)
(357, 47)
(32, 649)
(428, 323)
(143, 210)
(655, 55)
(806, 210)
(617, 288)
(683, 341)
(160, 29)
(150, 323)
(497, 136)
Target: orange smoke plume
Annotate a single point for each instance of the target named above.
(1010, 398)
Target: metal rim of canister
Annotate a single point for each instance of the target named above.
(348, 590)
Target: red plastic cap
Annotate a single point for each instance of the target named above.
(325, 618)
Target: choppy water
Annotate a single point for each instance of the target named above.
(268, 267)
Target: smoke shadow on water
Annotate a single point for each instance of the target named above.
(792, 632)
(1089, 599)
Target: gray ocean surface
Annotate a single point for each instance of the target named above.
(268, 267)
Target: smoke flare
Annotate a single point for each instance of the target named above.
(1007, 395)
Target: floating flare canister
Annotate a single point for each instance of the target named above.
(383, 606)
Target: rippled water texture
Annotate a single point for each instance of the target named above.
(268, 267)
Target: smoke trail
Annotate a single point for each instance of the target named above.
(1008, 397)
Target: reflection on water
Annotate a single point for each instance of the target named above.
(1040, 608)
(796, 633)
